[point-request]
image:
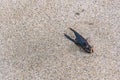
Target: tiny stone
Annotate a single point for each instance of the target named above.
(77, 13)
(90, 23)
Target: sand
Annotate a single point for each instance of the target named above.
(33, 46)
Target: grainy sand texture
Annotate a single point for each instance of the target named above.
(33, 45)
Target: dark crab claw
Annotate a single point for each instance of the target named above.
(80, 41)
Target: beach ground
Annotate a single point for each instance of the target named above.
(33, 45)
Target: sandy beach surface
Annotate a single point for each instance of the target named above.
(33, 45)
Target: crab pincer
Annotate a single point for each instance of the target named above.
(80, 41)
